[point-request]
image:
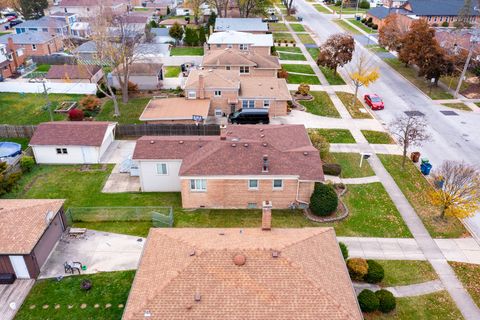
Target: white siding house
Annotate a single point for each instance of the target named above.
(160, 176)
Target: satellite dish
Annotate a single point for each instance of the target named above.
(49, 217)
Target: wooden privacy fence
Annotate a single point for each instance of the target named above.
(138, 130)
(8, 131)
(58, 60)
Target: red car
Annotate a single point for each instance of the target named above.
(374, 101)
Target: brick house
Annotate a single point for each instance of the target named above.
(243, 41)
(34, 44)
(11, 58)
(246, 165)
(91, 8)
(47, 24)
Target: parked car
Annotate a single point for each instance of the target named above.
(249, 116)
(374, 101)
(15, 22)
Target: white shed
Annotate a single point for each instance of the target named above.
(72, 142)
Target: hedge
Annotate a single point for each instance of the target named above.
(368, 301)
(375, 272)
(357, 268)
(386, 300)
(324, 200)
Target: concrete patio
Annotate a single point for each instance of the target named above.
(119, 182)
(98, 251)
(12, 297)
(118, 151)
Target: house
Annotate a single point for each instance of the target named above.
(147, 76)
(34, 43)
(175, 110)
(246, 165)
(72, 142)
(204, 11)
(236, 274)
(81, 29)
(228, 91)
(74, 73)
(161, 35)
(170, 22)
(250, 25)
(233, 59)
(92, 8)
(30, 231)
(243, 41)
(11, 59)
(46, 24)
(379, 14)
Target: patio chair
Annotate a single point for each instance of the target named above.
(72, 266)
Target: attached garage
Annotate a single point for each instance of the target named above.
(72, 142)
(30, 231)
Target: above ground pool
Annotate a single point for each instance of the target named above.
(9, 149)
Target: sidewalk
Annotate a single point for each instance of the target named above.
(411, 290)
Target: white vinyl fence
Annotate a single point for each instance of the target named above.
(53, 87)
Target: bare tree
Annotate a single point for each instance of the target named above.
(195, 6)
(362, 73)
(221, 6)
(410, 131)
(458, 189)
(289, 5)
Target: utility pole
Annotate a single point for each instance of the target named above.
(48, 104)
(341, 8)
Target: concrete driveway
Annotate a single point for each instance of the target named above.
(99, 251)
(12, 297)
(118, 151)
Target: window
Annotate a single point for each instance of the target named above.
(244, 69)
(218, 113)
(218, 93)
(248, 104)
(266, 103)
(34, 47)
(243, 47)
(252, 205)
(253, 184)
(219, 45)
(198, 185)
(62, 151)
(192, 95)
(161, 168)
(227, 68)
(229, 46)
(44, 29)
(277, 184)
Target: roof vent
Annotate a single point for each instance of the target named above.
(305, 153)
(235, 139)
(180, 142)
(197, 297)
(261, 130)
(246, 145)
(147, 314)
(239, 259)
(192, 253)
(152, 142)
(275, 254)
(234, 145)
(265, 164)
(265, 144)
(262, 136)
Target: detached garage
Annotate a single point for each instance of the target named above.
(72, 142)
(30, 230)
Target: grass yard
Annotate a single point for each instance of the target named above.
(337, 135)
(276, 27)
(300, 78)
(434, 306)
(289, 49)
(405, 272)
(43, 68)
(290, 18)
(377, 137)
(25, 109)
(23, 141)
(305, 38)
(332, 78)
(282, 37)
(186, 51)
(349, 163)
(469, 275)
(322, 9)
(297, 27)
(298, 68)
(346, 26)
(478, 104)
(172, 71)
(313, 53)
(129, 112)
(435, 93)
(416, 188)
(291, 56)
(107, 288)
(346, 10)
(371, 214)
(321, 105)
(362, 26)
(376, 48)
(354, 110)
(458, 106)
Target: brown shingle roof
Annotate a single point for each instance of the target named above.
(142, 69)
(171, 22)
(213, 79)
(23, 222)
(70, 133)
(175, 109)
(231, 57)
(264, 87)
(307, 281)
(288, 148)
(72, 71)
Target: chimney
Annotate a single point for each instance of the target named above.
(265, 164)
(267, 215)
(11, 48)
(201, 86)
(223, 132)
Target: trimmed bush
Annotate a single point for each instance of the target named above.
(368, 301)
(357, 268)
(324, 200)
(445, 24)
(90, 103)
(374, 26)
(338, 3)
(75, 115)
(387, 302)
(344, 250)
(332, 169)
(370, 19)
(364, 20)
(375, 272)
(27, 163)
(303, 89)
(364, 5)
(282, 73)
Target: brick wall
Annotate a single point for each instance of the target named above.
(52, 46)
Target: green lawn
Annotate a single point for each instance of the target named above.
(129, 113)
(107, 288)
(376, 48)
(300, 78)
(416, 188)
(297, 27)
(299, 68)
(469, 275)
(344, 10)
(24, 109)
(321, 105)
(458, 106)
(305, 38)
(289, 49)
(354, 110)
(362, 26)
(43, 68)
(172, 71)
(186, 51)
(275, 27)
(291, 56)
(346, 26)
(405, 272)
(434, 306)
(282, 37)
(332, 78)
(349, 163)
(313, 53)
(337, 135)
(478, 104)
(23, 141)
(321, 9)
(377, 137)
(436, 93)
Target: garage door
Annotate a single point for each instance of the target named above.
(48, 240)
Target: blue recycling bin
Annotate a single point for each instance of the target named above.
(425, 168)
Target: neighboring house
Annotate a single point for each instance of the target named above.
(258, 43)
(458, 40)
(228, 91)
(72, 142)
(148, 76)
(379, 14)
(30, 229)
(11, 59)
(170, 22)
(34, 43)
(81, 29)
(48, 25)
(251, 25)
(161, 35)
(232, 59)
(246, 165)
(237, 273)
(87, 53)
(74, 73)
(204, 11)
(175, 110)
(91, 8)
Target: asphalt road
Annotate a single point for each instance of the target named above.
(452, 137)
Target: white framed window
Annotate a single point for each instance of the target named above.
(192, 94)
(34, 47)
(218, 113)
(253, 184)
(198, 185)
(218, 93)
(62, 150)
(243, 46)
(229, 45)
(248, 104)
(266, 103)
(244, 69)
(161, 168)
(277, 184)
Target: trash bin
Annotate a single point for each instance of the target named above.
(358, 18)
(425, 160)
(425, 168)
(415, 156)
